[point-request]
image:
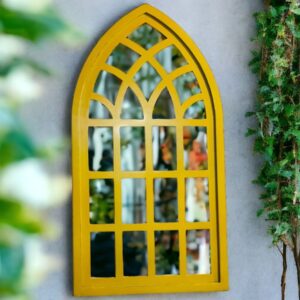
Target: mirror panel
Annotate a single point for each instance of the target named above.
(164, 148)
(122, 58)
(165, 200)
(197, 199)
(101, 201)
(164, 108)
(167, 252)
(133, 200)
(146, 36)
(171, 58)
(186, 86)
(98, 111)
(195, 148)
(100, 148)
(107, 85)
(196, 111)
(147, 78)
(102, 254)
(198, 252)
(135, 253)
(131, 107)
(132, 148)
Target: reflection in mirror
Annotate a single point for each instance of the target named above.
(107, 85)
(133, 200)
(100, 149)
(171, 58)
(98, 111)
(122, 58)
(164, 148)
(186, 86)
(195, 148)
(196, 111)
(146, 36)
(102, 254)
(166, 252)
(164, 108)
(165, 197)
(147, 78)
(132, 148)
(131, 107)
(134, 253)
(198, 252)
(101, 201)
(197, 201)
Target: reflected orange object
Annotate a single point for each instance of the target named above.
(196, 157)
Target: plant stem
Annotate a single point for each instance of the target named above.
(284, 269)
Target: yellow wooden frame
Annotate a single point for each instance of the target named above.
(84, 284)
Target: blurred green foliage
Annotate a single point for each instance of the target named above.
(19, 221)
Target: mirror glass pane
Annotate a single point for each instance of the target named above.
(132, 148)
(147, 78)
(101, 201)
(165, 200)
(133, 200)
(100, 148)
(166, 252)
(195, 148)
(164, 108)
(98, 111)
(197, 199)
(196, 111)
(164, 148)
(134, 253)
(171, 58)
(131, 107)
(146, 36)
(198, 252)
(186, 86)
(102, 254)
(107, 85)
(122, 58)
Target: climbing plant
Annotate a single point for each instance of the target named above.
(277, 130)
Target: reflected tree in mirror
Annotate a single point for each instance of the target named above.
(186, 85)
(102, 254)
(122, 58)
(101, 201)
(166, 252)
(134, 253)
(171, 58)
(196, 111)
(146, 36)
(165, 200)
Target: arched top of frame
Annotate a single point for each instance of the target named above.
(130, 38)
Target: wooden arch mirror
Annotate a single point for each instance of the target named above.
(148, 164)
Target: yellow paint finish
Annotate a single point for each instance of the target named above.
(84, 284)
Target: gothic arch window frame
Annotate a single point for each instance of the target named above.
(217, 280)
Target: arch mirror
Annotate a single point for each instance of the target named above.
(148, 165)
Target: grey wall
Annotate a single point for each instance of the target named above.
(221, 29)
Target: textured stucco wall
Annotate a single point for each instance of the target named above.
(221, 29)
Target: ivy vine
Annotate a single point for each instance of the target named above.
(277, 133)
